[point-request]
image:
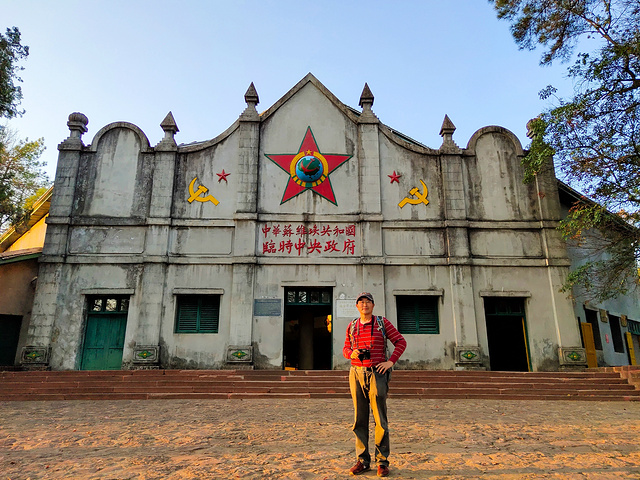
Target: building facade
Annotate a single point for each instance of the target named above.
(248, 250)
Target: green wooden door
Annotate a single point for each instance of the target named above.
(104, 341)
(9, 336)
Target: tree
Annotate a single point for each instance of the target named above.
(11, 52)
(594, 137)
(20, 176)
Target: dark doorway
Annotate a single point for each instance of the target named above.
(307, 328)
(507, 334)
(9, 336)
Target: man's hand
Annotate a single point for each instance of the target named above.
(355, 353)
(384, 366)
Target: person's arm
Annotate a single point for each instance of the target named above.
(346, 350)
(396, 338)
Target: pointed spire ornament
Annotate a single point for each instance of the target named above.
(251, 98)
(446, 132)
(366, 102)
(170, 129)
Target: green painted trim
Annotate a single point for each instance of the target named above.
(20, 258)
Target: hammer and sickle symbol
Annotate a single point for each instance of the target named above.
(195, 195)
(421, 197)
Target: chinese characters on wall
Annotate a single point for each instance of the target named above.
(303, 240)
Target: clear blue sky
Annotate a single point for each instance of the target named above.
(136, 60)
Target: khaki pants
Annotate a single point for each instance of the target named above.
(369, 389)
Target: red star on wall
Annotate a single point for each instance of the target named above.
(395, 177)
(308, 169)
(223, 176)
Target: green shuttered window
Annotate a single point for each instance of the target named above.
(417, 314)
(197, 313)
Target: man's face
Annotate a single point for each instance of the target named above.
(365, 306)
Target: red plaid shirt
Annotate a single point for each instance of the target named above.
(369, 337)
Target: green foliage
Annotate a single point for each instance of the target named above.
(610, 248)
(594, 137)
(11, 52)
(21, 176)
(539, 151)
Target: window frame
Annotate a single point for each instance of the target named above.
(185, 301)
(429, 326)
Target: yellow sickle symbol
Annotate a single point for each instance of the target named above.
(201, 189)
(421, 198)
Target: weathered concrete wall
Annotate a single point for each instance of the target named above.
(334, 132)
(69, 320)
(188, 350)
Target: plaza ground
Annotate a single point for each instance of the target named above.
(311, 439)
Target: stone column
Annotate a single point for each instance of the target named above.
(458, 251)
(145, 353)
(36, 353)
(245, 219)
(370, 201)
(369, 155)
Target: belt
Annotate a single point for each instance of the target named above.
(368, 369)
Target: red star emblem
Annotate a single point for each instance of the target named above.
(308, 169)
(394, 177)
(223, 176)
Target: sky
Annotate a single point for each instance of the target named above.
(137, 60)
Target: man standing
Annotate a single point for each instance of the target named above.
(365, 345)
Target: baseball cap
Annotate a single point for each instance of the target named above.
(365, 295)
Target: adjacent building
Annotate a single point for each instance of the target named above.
(20, 248)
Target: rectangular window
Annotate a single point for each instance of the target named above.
(197, 313)
(591, 316)
(418, 314)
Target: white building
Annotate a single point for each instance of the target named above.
(249, 249)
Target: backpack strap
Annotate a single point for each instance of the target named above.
(351, 330)
(380, 322)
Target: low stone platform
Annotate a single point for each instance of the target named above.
(228, 384)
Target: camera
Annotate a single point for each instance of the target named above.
(364, 355)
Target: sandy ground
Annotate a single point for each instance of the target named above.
(311, 439)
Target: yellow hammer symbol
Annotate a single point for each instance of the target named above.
(421, 197)
(195, 195)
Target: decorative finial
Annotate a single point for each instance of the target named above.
(170, 129)
(446, 132)
(367, 97)
(169, 125)
(77, 127)
(366, 102)
(530, 127)
(251, 97)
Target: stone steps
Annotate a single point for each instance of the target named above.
(600, 384)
